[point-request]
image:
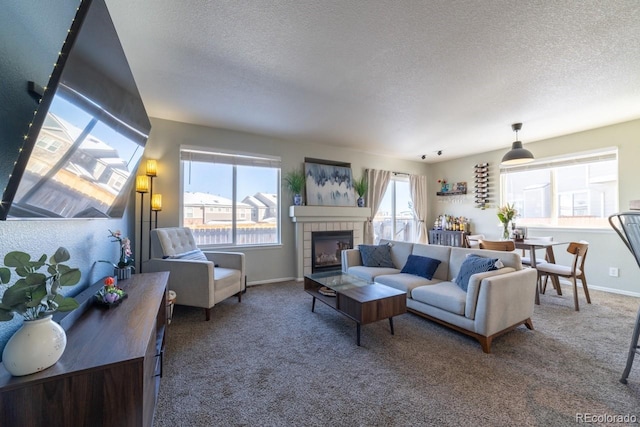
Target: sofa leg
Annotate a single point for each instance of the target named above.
(529, 324)
(239, 296)
(485, 342)
(207, 314)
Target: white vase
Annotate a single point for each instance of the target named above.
(34, 347)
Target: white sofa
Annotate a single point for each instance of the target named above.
(199, 279)
(494, 303)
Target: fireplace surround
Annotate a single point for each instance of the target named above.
(309, 219)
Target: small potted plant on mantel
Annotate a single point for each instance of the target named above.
(295, 181)
(35, 296)
(361, 186)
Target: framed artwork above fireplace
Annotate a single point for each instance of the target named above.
(329, 184)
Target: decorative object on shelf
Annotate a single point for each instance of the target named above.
(451, 223)
(361, 186)
(329, 184)
(481, 172)
(456, 189)
(123, 268)
(39, 342)
(517, 155)
(506, 214)
(294, 181)
(110, 295)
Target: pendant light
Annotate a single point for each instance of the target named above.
(517, 155)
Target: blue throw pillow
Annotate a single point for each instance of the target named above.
(376, 255)
(421, 266)
(474, 264)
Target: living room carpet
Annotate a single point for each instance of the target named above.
(270, 361)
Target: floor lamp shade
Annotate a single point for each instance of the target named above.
(152, 167)
(156, 202)
(142, 184)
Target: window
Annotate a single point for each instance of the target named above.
(225, 196)
(580, 190)
(394, 219)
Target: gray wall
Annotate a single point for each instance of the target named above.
(263, 264)
(606, 249)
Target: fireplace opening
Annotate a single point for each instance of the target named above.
(327, 247)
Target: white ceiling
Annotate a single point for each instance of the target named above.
(401, 78)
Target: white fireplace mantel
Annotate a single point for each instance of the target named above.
(308, 219)
(328, 213)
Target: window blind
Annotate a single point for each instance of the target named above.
(240, 159)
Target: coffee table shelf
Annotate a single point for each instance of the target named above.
(357, 299)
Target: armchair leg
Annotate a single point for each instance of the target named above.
(207, 314)
(239, 296)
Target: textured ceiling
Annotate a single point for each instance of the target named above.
(400, 77)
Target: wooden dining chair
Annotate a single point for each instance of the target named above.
(473, 240)
(573, 272)
(526, 260)
(498, 245)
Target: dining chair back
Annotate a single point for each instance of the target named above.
(574, 272)
(473, 240)
(498, 245)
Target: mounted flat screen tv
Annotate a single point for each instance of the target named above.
(88, 135)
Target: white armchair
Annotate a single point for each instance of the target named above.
(200, 279)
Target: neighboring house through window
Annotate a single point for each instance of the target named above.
(576, 191)
(230, 199)
(395, 219)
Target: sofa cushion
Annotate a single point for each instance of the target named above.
(400, 251)
(421, 266)
(445, 295)
(474, 264)
(194, 255)
(404, 282)
(370, 273)
(376, 256)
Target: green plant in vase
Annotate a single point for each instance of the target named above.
(506, 214)
(294, 182)
(36, 294)
(361, 186)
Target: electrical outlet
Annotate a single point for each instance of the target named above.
(613, 272)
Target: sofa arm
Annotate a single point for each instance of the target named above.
(350, 258)
(505, 300)
(191, 280)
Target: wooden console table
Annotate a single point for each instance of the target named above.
(447, 238)
(109, 373)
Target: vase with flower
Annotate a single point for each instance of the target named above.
(123, 268)
(506, 214)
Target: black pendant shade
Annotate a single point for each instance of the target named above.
(517, 155)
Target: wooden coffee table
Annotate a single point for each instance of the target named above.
(357, 299)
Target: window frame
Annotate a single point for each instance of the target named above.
(552, 164)
(233, 159)
(392, 186)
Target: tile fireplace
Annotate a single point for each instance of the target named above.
(314, 219)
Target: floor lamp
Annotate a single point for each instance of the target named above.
(152, 172)
(156, 206)
(142, 186)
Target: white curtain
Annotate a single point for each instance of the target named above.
(378, 181)
(418, 189)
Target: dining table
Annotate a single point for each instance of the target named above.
(531, 245)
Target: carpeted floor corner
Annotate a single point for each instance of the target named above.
(270, 361)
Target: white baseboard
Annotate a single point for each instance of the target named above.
(264, 282)
(602, 288)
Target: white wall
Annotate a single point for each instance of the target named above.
(263, 264)
(86, 239)
(606, 249)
